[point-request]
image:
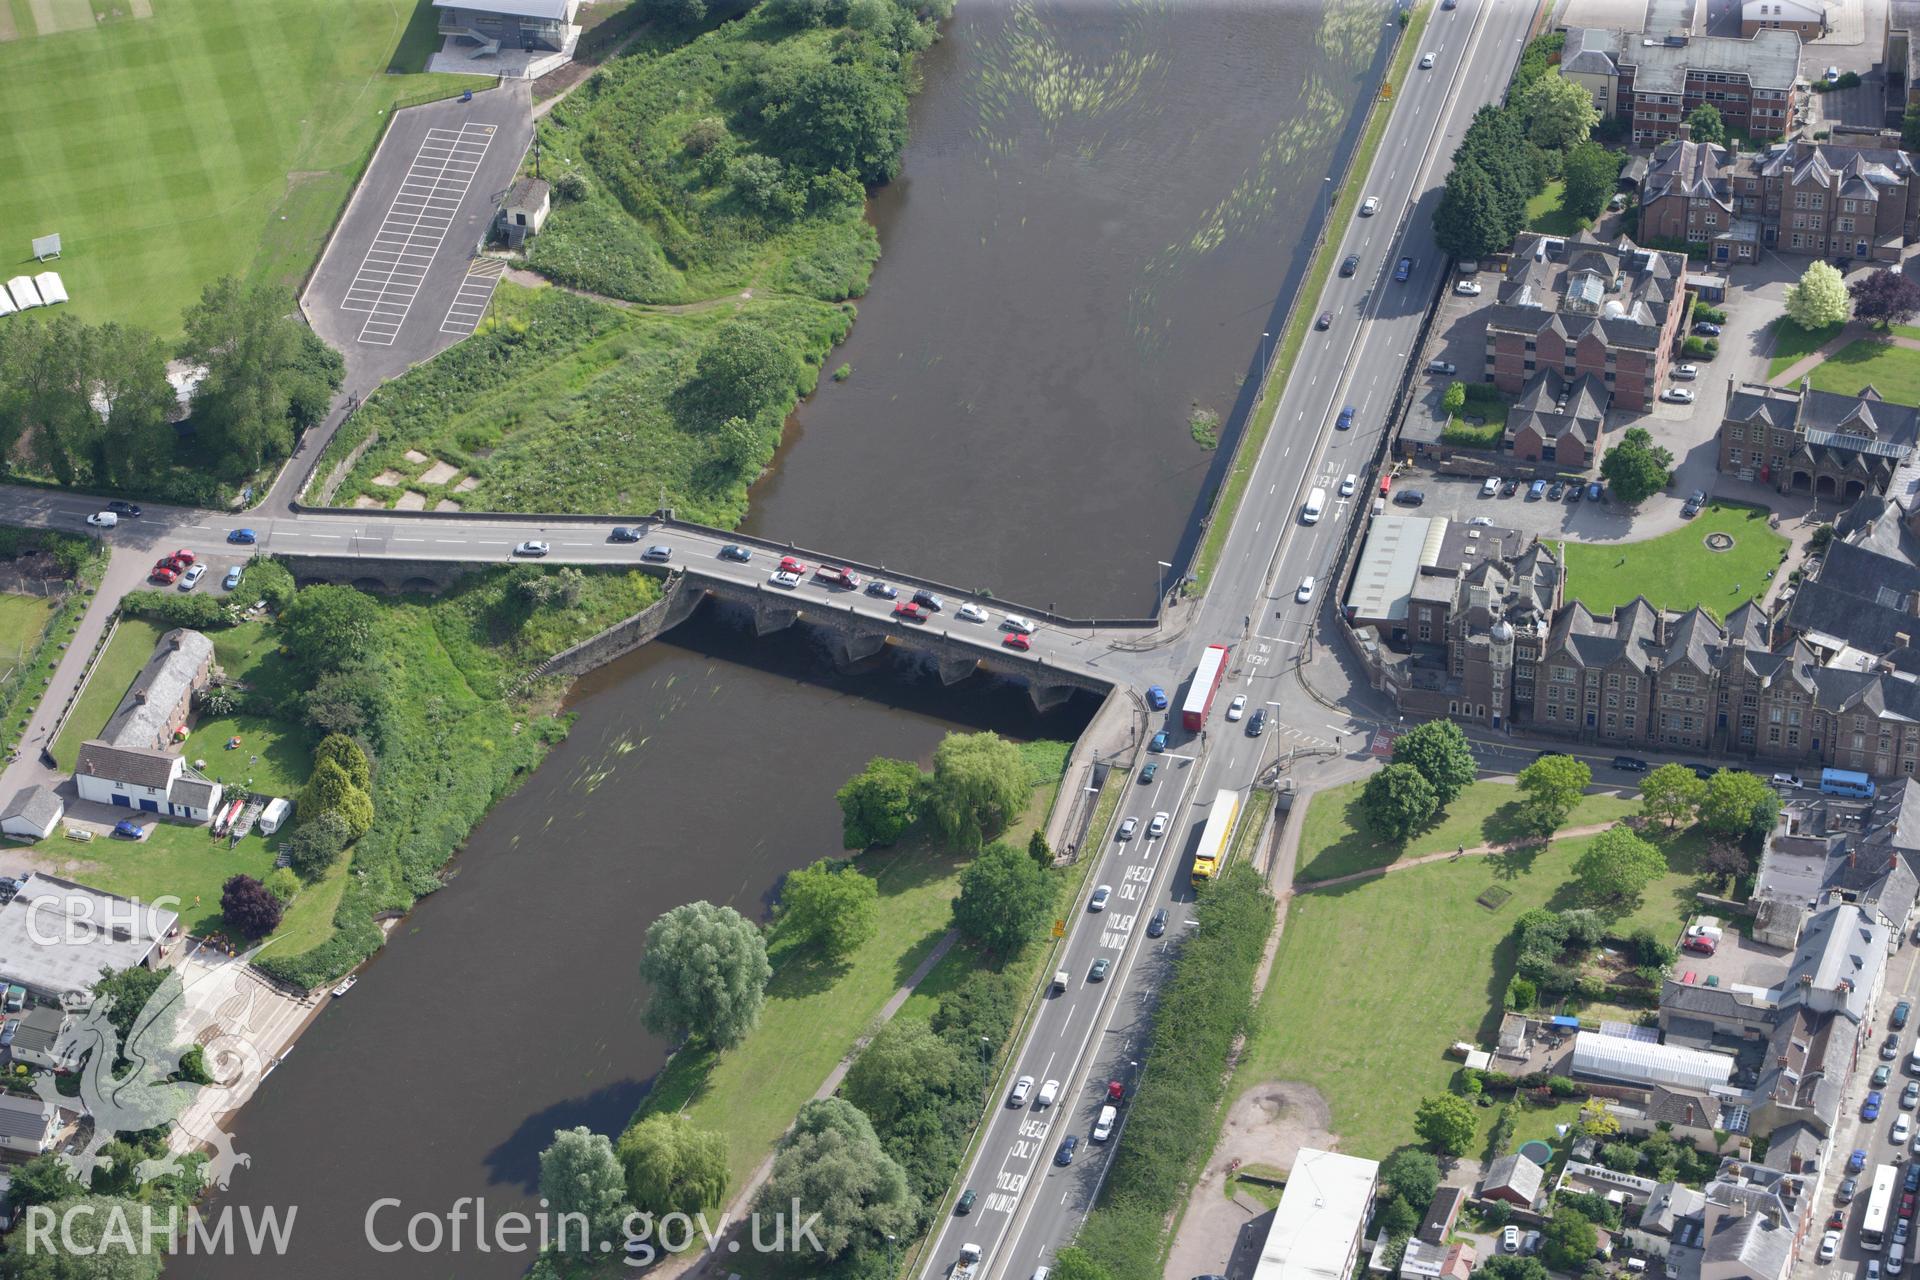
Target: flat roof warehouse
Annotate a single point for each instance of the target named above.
(57, 936)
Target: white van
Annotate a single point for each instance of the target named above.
(103, 519)
(1048, 1092)
(1103, 1127)
(1913, 1062)
(1316, 503)
(1059, 981)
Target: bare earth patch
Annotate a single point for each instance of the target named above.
(414, 455)
(439, 473)
(446, 504)
(411, 501)
(389, 478)
(468, 485)
(1268, 1124)
(363, 502)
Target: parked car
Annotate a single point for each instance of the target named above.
(1467, 288)
(1509, 487)
(1016, 640)
(1870, 1105)
(1098, 902)
(1706, 329)
(735, 552)
(531, 547)
(1856, 1162)
(242, 537)
(1536, 490)
(1556, 491)
(1695, 501)
(1632, 764)
(1902, 1129)
(1677, 395)
(1910, 1096)
(1345, 421)
(191, 578)
(182, 558)
(130, 510)
(163, 573)
(1890, 1048)
(1881, 1074)
(1349, 264)
(1442, 366)
(1829, 1246)
(126, 829)
(1410, 497)
(1325, 321)
(1686, 372)
(1238, 707)
(1901, 1012)
(1595, 493)
(1156, 697)
(1489, 486)
(1157, 925)
(232, 579)
(1404, 268)
(1510, 1239)
(1117, 1092)
(1369, 206)
(659, 553)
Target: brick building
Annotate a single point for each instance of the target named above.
(1559, 420)
(1583, 306)
(1805, 18)
(1654, 83)
(1815, 442)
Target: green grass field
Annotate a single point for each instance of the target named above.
(23, 619)
(1373, 981)
(113, 674)
(1545, 212)
(1676, 570)
(1485, 813)
(216, 137)
(1791, 342)
(1891, 370)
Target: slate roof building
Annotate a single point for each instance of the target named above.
(1560, 420)
(33, 813)
(1800, 440)
(135, 763)
(1513, 1178)
(1653, 84)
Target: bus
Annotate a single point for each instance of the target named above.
(1842, 782)
(1873, 1227)
(1212, 850)
(1206, 683)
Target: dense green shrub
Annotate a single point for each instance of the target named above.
(176, 608)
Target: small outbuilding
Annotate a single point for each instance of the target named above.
(27, 1125)
(525, 209)
(33, 813)
(278, 810)
(1513, 1178)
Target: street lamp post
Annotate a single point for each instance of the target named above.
(1164, 566)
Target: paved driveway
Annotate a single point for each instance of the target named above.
(393, 287)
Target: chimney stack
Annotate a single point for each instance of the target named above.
(1685, 132)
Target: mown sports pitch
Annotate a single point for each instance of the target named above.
(214, 137)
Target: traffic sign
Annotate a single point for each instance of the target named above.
(1059, 928)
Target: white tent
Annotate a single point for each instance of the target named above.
(24, 294)
(1636, 1062)
(51, 290)
(6, 304)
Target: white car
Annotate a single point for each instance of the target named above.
(1489, 486)
(1510, 1239)
(1426, 62)
(1468, 288)
(1833, 73)
(1348, 485)
(1369, 206)
(1014, 622)
(192, 577)
(972, 613)
(785, 578)
(1829, 1246)
(103, 519)
(1158, 828)
(1048, 1092)
(1021, 1088)
(1677, 395)
(1902, 1128)
(1305, 591)
(531, 547)
(1238, 707)
(1480, 522)
(1686, 372)
(1098, 902)
(1127, 829)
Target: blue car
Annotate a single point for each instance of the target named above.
(1159, 742)
(1403, 270)
(1064, 1155)
(1156, 697)
(244, 536)
(1870, 1106)
(1536, 490)
(232, 579)
(126, 830)
(1346, 419)
(1858, 1161)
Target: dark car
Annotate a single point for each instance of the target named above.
(1509, 487)
(621, 533)
(1901, 1012)
(1258, 724)
(1098, 973)
(1325, 321)
(1402, 270)
(1410, 497)
(121, 508)
(8, 1032)
(736, 553)
(927, 600)
(1156, 697)
(1695, 500)
(1350, 264)
(1890, 1048)
(1913, 1175)
(1595, 493)
(1147, 771)
(126, 830)
(1632, 764)
(1556, 491)
(1575, 492)
(1345, 421)
(1159, 742)
(1157, 925)
(964, 1205)
(1704, 772)
(883, 590)
(1705, 329)
(1064, 1155)
(244, 537)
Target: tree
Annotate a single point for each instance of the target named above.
(1413, 1174)
(834, 907)
(1621, 1157)
(979, 784)
(1399, 1219)
(1398, 801)
(1076, 1263)
(879, 803)
(831, 1163)
(1705, 125)
(677, 13)
(1636, 468)
(1039, 851)
(1589, 171)
(908, 1067)
(672, 1166)
(41, 1180)
(579, 1174)
(346, 753)
(1454, 398)
(741, 372)
(1468, 222)
(1510, 1266)
(264, 380)
(1819, 299)
(1439, 751)
(1618, 864)
(324, 627)
(1725, 860)
(1004, 898)
(1570, 1241)
(834, 116)
(249, 907)
(1553, 785)
(1739, 804)
(1670, 793)
(316, 843)
(1559, 113)
(1446, 1122)
(1885, 297)
(326, 791)
(1596, 1121)
(708, 969)
(93, 1238)
(983, 1006)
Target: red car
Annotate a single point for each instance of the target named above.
(1116, 1091)
(163, 573)
(1014, 640)
(1906, 1205)
(909, 612)
(181, 558)
(839, 577)
(1386, 483)
(789, 565)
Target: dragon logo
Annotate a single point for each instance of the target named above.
(147, 1093)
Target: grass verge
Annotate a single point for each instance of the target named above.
(1893, 371)
(1792, 343)
(113, 674)
(1253, 436)
(1677, 570)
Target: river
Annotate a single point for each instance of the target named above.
(1100, 207)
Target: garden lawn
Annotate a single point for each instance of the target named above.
(273, 758)
(1891, 370)
(1545, 212)
(1676, 571)
(113, 674)
(174, 860)
(216, 137)
(1372, 981)
(1791, 343)
(23, 619)
(1334, 841)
